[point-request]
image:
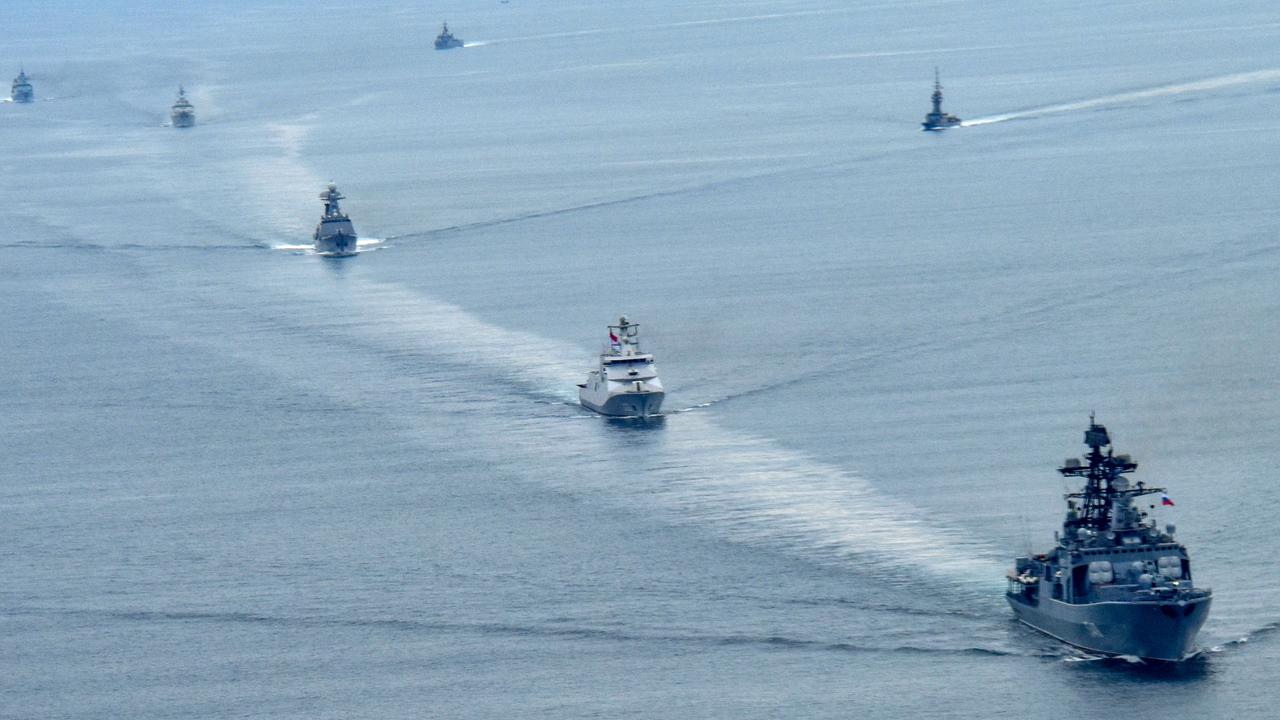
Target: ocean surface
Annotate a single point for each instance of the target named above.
(240, 480)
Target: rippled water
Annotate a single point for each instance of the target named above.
(243, 480)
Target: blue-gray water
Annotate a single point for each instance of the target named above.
(243, 481)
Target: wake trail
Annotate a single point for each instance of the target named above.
(557, 630)
(1007, 323)
(1198, 86)
(658, 26)
(363, 245)
(747, 487)
(682, 191)
(395, 349)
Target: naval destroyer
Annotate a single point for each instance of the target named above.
(1114, 584)
(182, 113)
(937, 119)
(626, 384)
(334, 236)
(22, 92)
(446, 40)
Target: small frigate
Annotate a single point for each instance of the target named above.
(22, 92)
(182, 113)
(937, 119)
(335, 236)
(1114, 584)
(446, 40)
(627, 384)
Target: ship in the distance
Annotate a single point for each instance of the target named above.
(445, 40)
(335, 236)
(626, 383)
(1114, 583)
(937, 119)
(182, 113)
(22, 91)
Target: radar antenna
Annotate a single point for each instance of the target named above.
(1104, 480)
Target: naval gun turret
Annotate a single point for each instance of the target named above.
(626, 383)
(937, 119)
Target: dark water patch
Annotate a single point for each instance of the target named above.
(133, 247)
(554, 630)
(895, 609)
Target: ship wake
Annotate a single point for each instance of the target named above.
(747, 487)
(1163, 91)
(398, 350)
(362, 245)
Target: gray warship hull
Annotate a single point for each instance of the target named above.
(626, 404)
(337, 245)
(183, 120)
(1155, 630)
(933, 124)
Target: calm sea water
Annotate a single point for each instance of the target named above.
(240, 480)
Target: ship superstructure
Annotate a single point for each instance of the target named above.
(1114, 583)
(937, 119)
(626, 383)
(22, 91)
(335, 236)
(445, 40)
(182, 114)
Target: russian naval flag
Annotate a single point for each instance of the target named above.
(1164, 500)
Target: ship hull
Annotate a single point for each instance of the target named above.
(624, 404)
(184, 121)
(341, 245)
(940, 121)
(942, 125)
(335, 237)
(1163, 630)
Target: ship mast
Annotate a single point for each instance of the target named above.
(624, 338)
(937, 93)
(1105, 483)
(331, 196)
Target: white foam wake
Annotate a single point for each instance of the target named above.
(748, 488)
(1198, 86)
(740, 486)
(362, 245)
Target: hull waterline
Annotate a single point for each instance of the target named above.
(1152, 631)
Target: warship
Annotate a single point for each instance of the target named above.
(334, 236)
(1114, 584)
(182, 113)
(446, 40)
(22, 92)
(627, 384)
(937, 119)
